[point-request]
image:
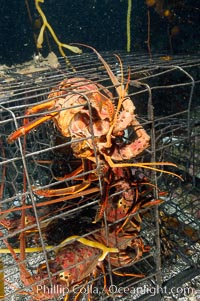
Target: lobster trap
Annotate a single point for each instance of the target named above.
(165, 95)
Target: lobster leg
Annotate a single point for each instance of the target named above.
(28, 126)
(26, 277)
(72, 189)
(71, 174)
(128, 274)
(140, 248)
(147, 165)
(63, 191)
(134, 214)
(40, 107)
(54, 201)
(86, 181)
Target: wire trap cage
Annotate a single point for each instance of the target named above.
(50, 194)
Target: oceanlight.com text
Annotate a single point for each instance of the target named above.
(114, 289)
(152, 291)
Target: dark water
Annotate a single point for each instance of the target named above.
(101, 24)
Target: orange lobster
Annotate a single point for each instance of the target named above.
(77, 258)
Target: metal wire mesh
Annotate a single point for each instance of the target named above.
(165, 94)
